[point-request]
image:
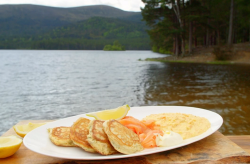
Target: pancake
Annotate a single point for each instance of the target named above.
(98, 139)
(60, 136)
(122, 139)
(78, 134)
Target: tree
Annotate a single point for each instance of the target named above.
(168, 13)
(190, 42)
(230, 33)
(176, 7)
(204, 21)
(115, 47)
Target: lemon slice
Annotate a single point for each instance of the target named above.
(117, 113)
(22, 130)
(9, 145)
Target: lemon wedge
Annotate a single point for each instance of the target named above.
(117, 113)
(9, 145)
(22, 130)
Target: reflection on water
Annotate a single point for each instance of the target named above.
(58, 84)
(224, 89)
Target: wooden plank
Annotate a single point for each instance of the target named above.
(241, 140)
(215, 148)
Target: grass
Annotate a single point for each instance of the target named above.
(168, 61)
(220, 62)
(184, 61)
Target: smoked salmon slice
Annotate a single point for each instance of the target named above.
(144, 129)
(136, 128)
(131, 120)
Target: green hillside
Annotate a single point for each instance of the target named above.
(95, 33)
(88, 27)
(98, 28)
(33, 19)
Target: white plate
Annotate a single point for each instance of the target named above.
(38, 139)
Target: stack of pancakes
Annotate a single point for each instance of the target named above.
(97, 136)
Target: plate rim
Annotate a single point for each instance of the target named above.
(101, 157)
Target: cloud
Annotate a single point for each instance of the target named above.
(128, 5)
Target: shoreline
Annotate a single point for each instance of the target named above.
(205, 55)
(242, 57)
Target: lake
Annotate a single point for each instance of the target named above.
(49, 85)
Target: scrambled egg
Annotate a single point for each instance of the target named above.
(187, 125)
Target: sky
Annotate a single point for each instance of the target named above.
(127, 5)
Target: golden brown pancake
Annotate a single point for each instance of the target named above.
(60, 136)
(98, 139)
(122, 139)
(78, 134)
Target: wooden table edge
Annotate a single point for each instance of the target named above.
(243, 141)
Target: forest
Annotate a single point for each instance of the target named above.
(90, 34)
(179, 26)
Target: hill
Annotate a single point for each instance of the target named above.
(99, 27)
(87, 27)
(33, 19)
(95, 33)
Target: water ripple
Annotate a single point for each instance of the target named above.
(56, 84)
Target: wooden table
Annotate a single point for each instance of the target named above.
(216, 148)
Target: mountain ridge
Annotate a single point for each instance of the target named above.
(29, 19)
(75, 13)
(25, 25)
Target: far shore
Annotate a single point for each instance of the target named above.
(205, 55)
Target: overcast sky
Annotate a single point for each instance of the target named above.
(128, 5)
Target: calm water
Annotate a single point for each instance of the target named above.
(57, 84)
